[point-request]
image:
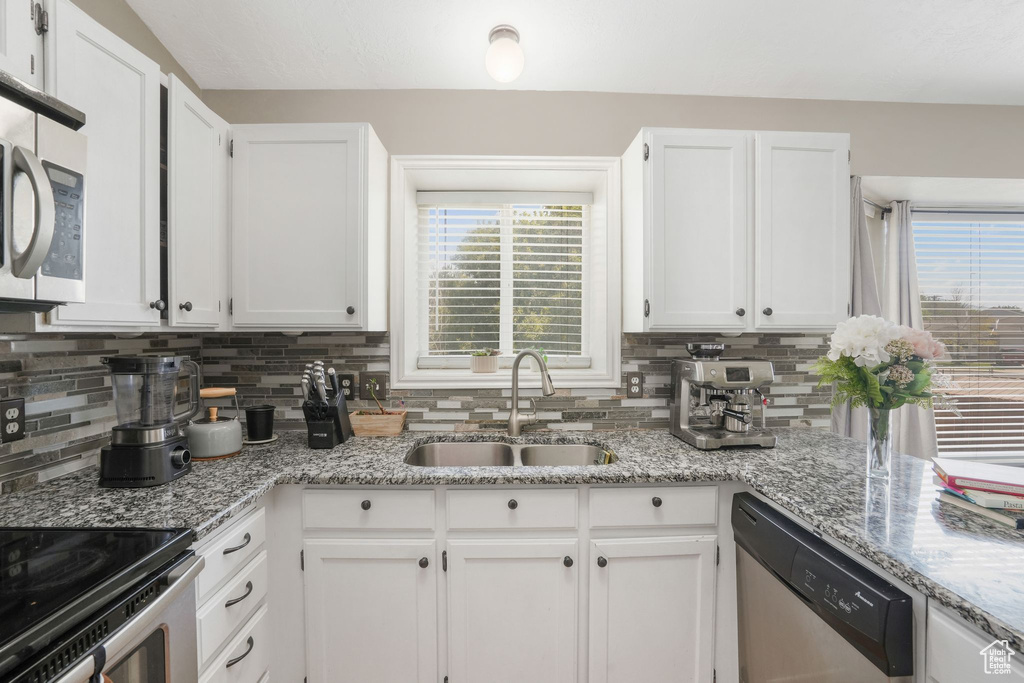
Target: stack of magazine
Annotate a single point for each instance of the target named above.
(993, 491)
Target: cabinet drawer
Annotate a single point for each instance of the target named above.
(689, 506)
(513, 509)
(230, 551)
(229, 606)
(369, 509)
(253, 645)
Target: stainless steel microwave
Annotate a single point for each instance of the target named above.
(42, 210)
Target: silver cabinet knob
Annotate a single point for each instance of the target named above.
(158, 304)
(768, 311)
(351, 310)
(187, 306)
(741, 312)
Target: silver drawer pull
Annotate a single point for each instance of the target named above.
(236, 660)
(235, 601)
(247, 541)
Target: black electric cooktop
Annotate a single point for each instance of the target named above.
(51, 579)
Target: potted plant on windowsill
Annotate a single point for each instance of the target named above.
(484, 360)
(378, 422)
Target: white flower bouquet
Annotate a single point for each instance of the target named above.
(876, 363)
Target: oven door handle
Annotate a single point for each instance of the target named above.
(27, 263)
(180, 578)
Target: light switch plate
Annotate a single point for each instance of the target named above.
(12, 419)
(348, 386)
(364, 385)
(634, 385)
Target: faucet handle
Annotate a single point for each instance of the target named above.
(533, 409)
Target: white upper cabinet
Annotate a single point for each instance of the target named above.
(512, 610)
(696, 240)
(308, 233)
(734, 231)
(197, 212)
(118, 88)
(652, 609)
(21, 47)
(803, 230)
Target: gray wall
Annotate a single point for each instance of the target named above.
(887, 138)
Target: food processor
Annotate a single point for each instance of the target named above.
(147, 447)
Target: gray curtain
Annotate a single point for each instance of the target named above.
(864, 301)
(913, 427)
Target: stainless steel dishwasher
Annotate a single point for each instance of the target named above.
(808, 612)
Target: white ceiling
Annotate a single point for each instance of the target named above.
(969, 51)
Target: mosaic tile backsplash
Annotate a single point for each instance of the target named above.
(70, 412)
(69, 406)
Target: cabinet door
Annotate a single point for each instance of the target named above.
(196, 208)
(21, 48)
(802, 230)
(371, 611)
(956, 652)
(512, 611)
(698, 230)
(652, 609)
(118, 88)
(298, 218)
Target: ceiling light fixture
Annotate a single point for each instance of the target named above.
(504, 59)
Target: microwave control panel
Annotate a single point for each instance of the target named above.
(65, 257)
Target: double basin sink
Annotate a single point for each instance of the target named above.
(496, 454)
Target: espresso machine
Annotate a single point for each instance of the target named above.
(147, 447)
(713, 400)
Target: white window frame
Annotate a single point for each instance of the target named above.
(597, 175)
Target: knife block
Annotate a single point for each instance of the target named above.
(336, 429)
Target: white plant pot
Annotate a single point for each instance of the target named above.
(483, 363)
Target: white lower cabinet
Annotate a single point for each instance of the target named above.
(513, 610)
(234, 636)
(247, 657)
(652, 609)
(371, 610)
(959, 653)
(503, 585)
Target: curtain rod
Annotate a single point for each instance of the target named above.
(883, 209)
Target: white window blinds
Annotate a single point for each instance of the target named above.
(505, 276)
(971, 274)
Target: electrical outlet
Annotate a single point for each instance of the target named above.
(348, 386)
(382, 385)
(12, 420)
(634, 385)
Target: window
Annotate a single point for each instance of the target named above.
(503, 276)
(971, 278)
(517, 253)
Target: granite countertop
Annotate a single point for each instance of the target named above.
(966, 562)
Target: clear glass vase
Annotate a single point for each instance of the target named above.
(879, 443)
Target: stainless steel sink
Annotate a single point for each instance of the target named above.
(494, 454)
(461, 454)
(561, 455)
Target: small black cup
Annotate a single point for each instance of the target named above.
(259, 423)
